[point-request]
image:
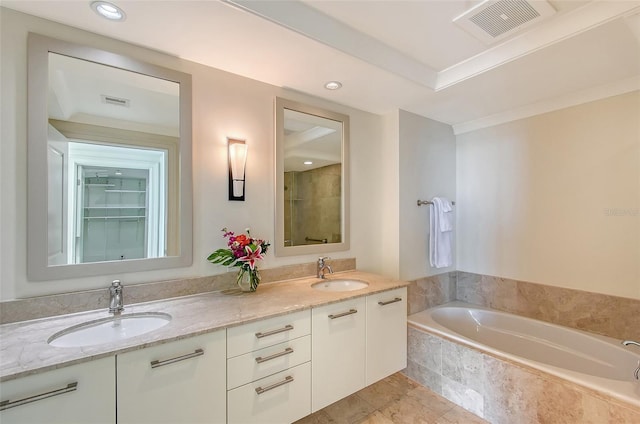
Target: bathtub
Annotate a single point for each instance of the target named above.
(597, 362)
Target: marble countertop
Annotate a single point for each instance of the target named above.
(24, 349)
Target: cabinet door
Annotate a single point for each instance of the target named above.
(338, 351)
(386, 334)
(83, 393)
(177, 382)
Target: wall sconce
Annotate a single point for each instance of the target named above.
(237, 162)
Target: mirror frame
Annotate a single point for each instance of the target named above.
(38, 268)
(279, 247)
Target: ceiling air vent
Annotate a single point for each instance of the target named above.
(118, 101)
(493, 20)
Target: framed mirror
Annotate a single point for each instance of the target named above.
(312, 180)
(109, 163)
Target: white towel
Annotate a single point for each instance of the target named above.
(445, 214)
(440, 233)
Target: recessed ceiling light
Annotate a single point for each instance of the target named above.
(108, 10)
(308, 162)
(333, 85)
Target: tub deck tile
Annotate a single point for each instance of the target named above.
(463, 365)
(425, 349)
(424, 376)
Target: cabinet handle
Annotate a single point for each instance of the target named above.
(156, 364)
(260, 390)
(388, 302)
(287, 327)
(287, 351)
(6, 404)
(343, 314)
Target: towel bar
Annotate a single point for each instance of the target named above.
(429, 202)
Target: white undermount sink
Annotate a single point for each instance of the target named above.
(340, 285)
(110, 329)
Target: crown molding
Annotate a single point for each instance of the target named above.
(585, 96)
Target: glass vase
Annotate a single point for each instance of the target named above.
(248, 280)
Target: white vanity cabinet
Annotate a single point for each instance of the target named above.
(178, 382)
(338, 351)
(269, 370)
(386, 334)
(83, 393)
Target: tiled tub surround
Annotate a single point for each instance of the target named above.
(89, 300)
(24, 348)
(611, 316)
(603, 314)
(502, 388)
(428, 292)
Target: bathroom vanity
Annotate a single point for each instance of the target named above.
(276, 355)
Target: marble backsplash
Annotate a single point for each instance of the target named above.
(612, 316)
(608, 315)
(428, 292)
(67, 303)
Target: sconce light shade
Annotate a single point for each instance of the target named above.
(237, 162)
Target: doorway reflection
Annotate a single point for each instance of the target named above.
(117, 200)
(113, 214)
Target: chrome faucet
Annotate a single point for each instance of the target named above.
(322, 267)
(116, 298)
(636, 373)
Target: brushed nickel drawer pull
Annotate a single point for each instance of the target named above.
(287, 327)
(156, 364)
(343, 314)
(260, 390)
(7, 404)
(388, 302)
(287, 351)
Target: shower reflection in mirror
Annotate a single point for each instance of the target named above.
(312, 179)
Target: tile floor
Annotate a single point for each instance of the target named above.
(394, 400)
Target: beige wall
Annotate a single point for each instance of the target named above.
(555, 199)
(385, 188)
(427, 169)
(224, 105)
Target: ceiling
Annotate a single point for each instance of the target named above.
(310, 141)
(389, 54)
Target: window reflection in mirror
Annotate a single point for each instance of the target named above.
(109, 163)
(312, 202)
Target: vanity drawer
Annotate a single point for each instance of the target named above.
(281, 398)
(254, 365)
(268, 332)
